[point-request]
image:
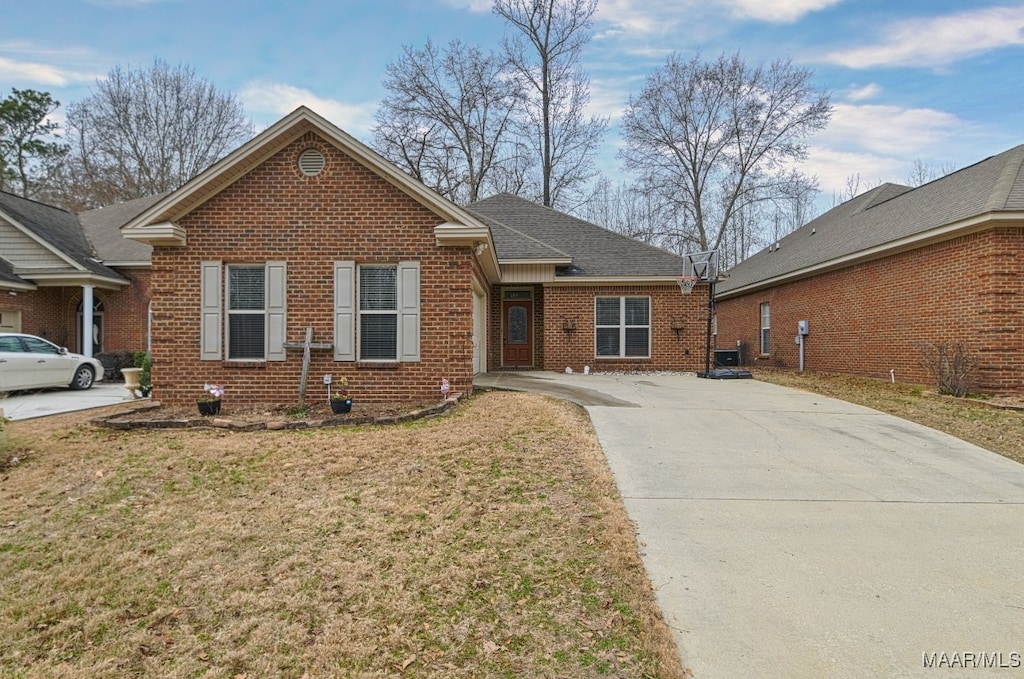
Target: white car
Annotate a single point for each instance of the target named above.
(30, 362)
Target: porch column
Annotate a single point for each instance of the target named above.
(87, 320)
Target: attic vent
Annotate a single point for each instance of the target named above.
(311, 162)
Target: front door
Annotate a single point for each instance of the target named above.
(517, 335)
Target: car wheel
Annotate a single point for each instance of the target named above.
(83, 378)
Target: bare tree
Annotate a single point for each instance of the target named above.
(546, 56)
(448, 120)
(28, 143)
(146, 131)
(712, 139)
(853, 187)
(921, 172)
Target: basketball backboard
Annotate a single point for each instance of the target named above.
(703, 265)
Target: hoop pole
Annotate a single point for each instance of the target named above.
(707, 340)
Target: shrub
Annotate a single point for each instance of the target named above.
(143, 360)
(949, 364)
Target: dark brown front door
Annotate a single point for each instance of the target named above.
(517, 334)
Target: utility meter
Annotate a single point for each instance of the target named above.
(803, 328)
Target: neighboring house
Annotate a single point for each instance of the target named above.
(889, 270)
(60, 273)
(305, 227)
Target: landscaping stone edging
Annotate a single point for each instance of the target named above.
(120, 422)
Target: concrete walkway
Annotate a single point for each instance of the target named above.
(26, 405)
(793, 535)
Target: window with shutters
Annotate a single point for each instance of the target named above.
(377, 312)
(243, 311)
(622, 327)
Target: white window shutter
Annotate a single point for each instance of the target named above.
(210, 326)
(344, 311)
(409, 311)
(277, 308)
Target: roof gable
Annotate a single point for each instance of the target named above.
(528, 231)
(887, 218)
(57, 233)
(158, 224)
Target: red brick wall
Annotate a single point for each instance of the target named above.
(556, 349)
(52, 313)
(869, 318)
(275, 213)
(41, 313)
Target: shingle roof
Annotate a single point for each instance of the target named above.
(887, 214)
(103, 229)
(59, 228)
(524, 230)
(7, 274)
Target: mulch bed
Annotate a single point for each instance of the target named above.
(256, 417)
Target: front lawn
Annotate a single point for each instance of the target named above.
(487, 543)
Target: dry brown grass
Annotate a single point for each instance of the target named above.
(973, 420)
(487, 543)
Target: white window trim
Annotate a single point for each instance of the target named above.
(622, 326)
(766, 324)
(360, 313)
(229, 312)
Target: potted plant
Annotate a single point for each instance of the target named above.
(209, 403)
(340, 400)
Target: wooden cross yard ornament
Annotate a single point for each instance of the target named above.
(306, 347)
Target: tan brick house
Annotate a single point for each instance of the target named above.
(888, 270)
(305, 227)
(61, 273)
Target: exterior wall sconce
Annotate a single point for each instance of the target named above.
(677, 326)
(568, 325)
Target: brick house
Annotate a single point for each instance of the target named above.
(889, 270)
(60, 273)
(305, 227)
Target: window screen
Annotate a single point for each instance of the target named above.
(766, 328)
(246, 312)
(623, 326)
(378, 313)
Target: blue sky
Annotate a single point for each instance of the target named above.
(937, 80)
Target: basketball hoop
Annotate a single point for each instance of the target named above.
(687, 283)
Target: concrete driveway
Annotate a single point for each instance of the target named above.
(24, 405)
(793, 535)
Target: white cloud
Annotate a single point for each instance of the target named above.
(879, 143)
(478, 6)
(864, 92)
(279, 99)
(777, 11)
(890, 130)
(834, 167)
(639, 17)
(661, 17)
(608, 98)
(937, 41)
(36, 66)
